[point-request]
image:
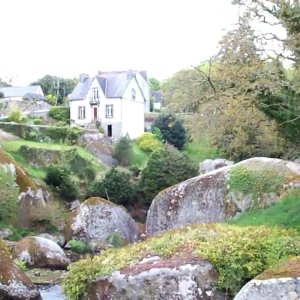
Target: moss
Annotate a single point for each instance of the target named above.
(235, 252)
(285, 269)
(4, 249)
(98, 200)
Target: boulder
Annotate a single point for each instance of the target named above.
(222, 193)
(180, 278)
(96, 219)
(270, 289)
(213, 164)
(40, 252)
(14, 284)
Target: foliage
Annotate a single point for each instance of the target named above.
(116, 240)
(60, 113)
(172, 130)
(149, 142)
(55, 175)
(139, 158)
(51, 99)
(21, 264)
(154, 84)
(9, 206)
(284, 213)
(78, 247)
(255, 182)
(15, 115)
(115, 187)
(123, 151)
(165, 168)
(235, 252)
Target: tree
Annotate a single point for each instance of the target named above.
(123, 151)
(165, 168)
(154, 84)
(172, 130)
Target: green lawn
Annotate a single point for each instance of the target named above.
(12, 147)
(285, 213)
(139, 158)
(200, 150)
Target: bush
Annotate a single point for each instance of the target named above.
(116, 240)
(15, 115)
(172, 130)
(165, 168)
(68, 189)
(149, 142)
(55, 175)
(115, 187)
(123, 151)
(21, 264)
(60, 113)
(79, 247)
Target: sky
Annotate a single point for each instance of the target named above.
(68, 37)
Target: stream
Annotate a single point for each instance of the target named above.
(52, 292)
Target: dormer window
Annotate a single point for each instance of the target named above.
(95, 94)
(133, 94)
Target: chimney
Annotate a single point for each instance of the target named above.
(83, 77)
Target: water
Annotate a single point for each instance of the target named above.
(52, 292)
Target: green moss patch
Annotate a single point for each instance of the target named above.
(238, 254)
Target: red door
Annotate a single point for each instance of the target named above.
(95, 114)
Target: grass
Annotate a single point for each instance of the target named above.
(200, 150)
(285, 213)
(12, 147)
(139, 158)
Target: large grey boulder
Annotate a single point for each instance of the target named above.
(222, 193)
(40, 252)
(14, 284)
(96, 219)
(271, 289)
(181, 278)
(209, 165)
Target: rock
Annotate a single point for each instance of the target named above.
(14, 284)
(213, 164)
(59, 239)
(40, 252)
(5, 233)
(270, 289)
(180, 278)
(96, 219)
(222, 193)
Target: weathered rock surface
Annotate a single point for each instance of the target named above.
(209, 165)
(181, 278)
(96, 219)
(14, 284)
(39, 252)
(271, 289)
(210, 198)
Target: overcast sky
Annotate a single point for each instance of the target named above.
(69, 37)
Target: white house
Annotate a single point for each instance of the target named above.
(115, 100)
(18, 93)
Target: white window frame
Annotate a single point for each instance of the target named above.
(81, 112)
(133, 94)
(95, 94)
(109, 111)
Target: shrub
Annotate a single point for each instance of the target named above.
(123, 151)
(79, 247)
(149, 142)
(115, 186)
(55, 175)
(116, 240)
(15, 115)
(60, 113)
(21, 264)
(165, 168)
(9, 206)
(172, 130)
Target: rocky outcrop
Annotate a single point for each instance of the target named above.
(209, 165)
(180, 278)
(14, 284)
(270, 289)
(222, 194)
(39, 252)
(96, 219)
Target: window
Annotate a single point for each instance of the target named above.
(133, 94)
(95, 94)
(109, 111)
(81, 112)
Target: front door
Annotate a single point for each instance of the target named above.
(95, 114)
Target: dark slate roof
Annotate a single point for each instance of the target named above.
(113, 84)
(33, 96)
(158, 96)
(17, 91)
(81, 89)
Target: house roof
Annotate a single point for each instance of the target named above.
(113, 84)
(158, 96)
(29, 92)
